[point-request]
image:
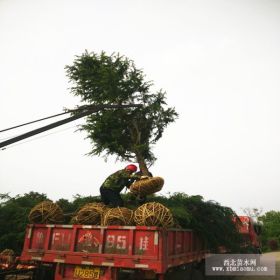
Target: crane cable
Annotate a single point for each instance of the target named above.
(37, 138)
(82, 111)
(46, 118)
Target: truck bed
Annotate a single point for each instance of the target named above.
(129, 247)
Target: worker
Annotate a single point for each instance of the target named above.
(115, 183)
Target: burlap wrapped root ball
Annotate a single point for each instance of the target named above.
(46, 212)
(147, 186)
(120, 216)
(153, 214)
(90, 214)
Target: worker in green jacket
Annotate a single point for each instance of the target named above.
(115, 183)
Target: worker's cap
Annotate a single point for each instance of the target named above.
(131, 167)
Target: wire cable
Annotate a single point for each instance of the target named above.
(82, 111)
(6, 138)
(78, 109)
(46, 118)
(37, 138)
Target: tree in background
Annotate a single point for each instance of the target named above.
(14, 213)
(271, 229)
(69, 208)
(254, 213)
(127, 133)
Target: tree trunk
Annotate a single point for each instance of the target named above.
(142, 164)
(135, 133)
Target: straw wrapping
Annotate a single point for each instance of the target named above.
(90, 214)
(153, 214)
(118, 216)
(147, 186)
(46, 212)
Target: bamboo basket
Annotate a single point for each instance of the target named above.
(147, 186)
(90, 214)
(118, 216)
(153, 214)
(46, 212)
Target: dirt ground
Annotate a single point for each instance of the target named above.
(277, 271)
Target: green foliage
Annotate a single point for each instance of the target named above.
(14, 213)
(208, 218)
(14, 218)
(271, 228)
(70, 208)
(273, 244)
(80, 201)
(130, 133)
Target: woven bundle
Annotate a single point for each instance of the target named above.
(118, 216)
(46, 212)
(153, 214)
(7, 252)
(90, 214)
(7, 256)
(147, 186)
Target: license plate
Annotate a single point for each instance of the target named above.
(86, 273)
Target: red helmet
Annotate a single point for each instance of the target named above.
(131, 167)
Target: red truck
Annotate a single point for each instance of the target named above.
(250, 231)
(111, 252)
(65, 252)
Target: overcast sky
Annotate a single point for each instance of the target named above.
(219, 62)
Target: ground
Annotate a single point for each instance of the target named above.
(277, 274)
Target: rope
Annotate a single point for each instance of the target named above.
(118, 216)
(153, 214)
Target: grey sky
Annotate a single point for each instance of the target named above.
(219, 62)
